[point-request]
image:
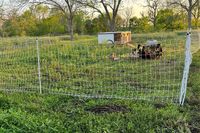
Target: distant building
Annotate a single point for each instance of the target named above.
(114, 37)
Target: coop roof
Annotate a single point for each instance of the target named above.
(115, 32)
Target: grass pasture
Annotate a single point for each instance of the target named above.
(84, 68)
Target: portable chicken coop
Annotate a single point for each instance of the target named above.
(114, 37)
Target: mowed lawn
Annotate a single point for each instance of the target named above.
(24, 112)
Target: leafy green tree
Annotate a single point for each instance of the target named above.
(140, 24)
(196, 14)
(89, 27)
(79, 22)
(27, 23)
(187, 5)
(98, 24)
(52, 25)
(32, 24)
(20, 25)
(168, 20)
(9, 28)
(67, 7)
(119, 22)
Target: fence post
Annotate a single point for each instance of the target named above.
(188, 61)
(39, 69)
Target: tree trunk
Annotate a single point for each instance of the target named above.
(70, 27)
(155, 19)
(196, 17)
(189, 19)
(190, 15)
(154, 24)
(196, 20)
(112, 25)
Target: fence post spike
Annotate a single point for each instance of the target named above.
(39, 68)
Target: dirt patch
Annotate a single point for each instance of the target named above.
(194, 69)
(194, 124)
(108, 109)
(193, 101)
(159, 105)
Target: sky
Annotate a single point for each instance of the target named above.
(136, 5)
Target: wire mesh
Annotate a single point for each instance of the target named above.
(87, 69)
(195, 44)
(18, 67)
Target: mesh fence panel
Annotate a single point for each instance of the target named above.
(87, 69)
(195, 44)
(18, 69)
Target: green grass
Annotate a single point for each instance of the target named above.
(84, 68)
(25, 112)
(42, 113)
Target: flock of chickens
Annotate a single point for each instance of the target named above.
(152, 50)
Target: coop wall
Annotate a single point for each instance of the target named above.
(123, 37)
(105, 38)
(114, 37)
(126, 37)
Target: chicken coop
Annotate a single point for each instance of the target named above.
(114, 37)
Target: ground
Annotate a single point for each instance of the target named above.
(25, 112)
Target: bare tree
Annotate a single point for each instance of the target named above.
(1, 10)
(40, 11)
(187, 5)
(153, 7)
(128, 12)
(107, 8)
(2, 17)
(68, 8)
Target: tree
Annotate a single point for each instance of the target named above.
(20, 25)
(6, 13)
(10, 27)
(196, 14)
(79, 22)
(1, 24)
(68, 8)
(1, 10)
(128, 14)
(27, 23)
(107, 8)
(153, 7)
(95, 25)
(100, 24)
(140, 25)
(188, 6)
(167, 19)
(40, 11)
(1, 18)
(89, 27)
(52, 25)
(119, 22)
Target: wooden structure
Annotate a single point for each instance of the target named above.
(114, 37)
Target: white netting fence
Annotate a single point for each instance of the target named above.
(87, 69)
